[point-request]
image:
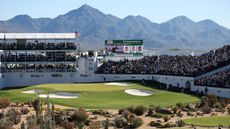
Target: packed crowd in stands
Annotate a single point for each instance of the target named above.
(38, 68)
(38, 46)
(221, 79)
(170, 65)
(39, 57)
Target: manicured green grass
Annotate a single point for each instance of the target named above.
(210, 121)
(98, 95)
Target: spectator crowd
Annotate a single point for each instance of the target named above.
(38, 46)
(221, 79)
(170, 65)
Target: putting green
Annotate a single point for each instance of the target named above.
(99, 95)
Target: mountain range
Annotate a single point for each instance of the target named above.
(95, 27)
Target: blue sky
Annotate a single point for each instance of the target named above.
(155, 10)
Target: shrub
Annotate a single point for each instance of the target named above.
(107, 123)
(155, 124)
(1, 115)
(185, 109)
(126, 114)
(80, 115)
(36, 105)
(120, 122)
(13, 116)
(140, 110)
(68, 125)
(24, 111)
(209, 100)
(59, 117)
(172, 115)
(120, 111)
(31, 121)
(205, 110)
(131, 109)
(213, 114)
(175, 109)
(168, 125)
(151, 112)
(5, 124)
(219, 105)
(221, 110)
(228, 110)
(166, 118)
(189, 113)
(136, 122)
(180, 114)
(180, 105)
(220, 125)
(95, 125)
(99, 112)
(23, 126)
(102, 112)
(88, 122)
(191, 106)
(164, 111)
(199, 113)
(158, 115)
(180, 123)
(5, 102)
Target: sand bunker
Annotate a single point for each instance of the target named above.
(62, 95)
(138, 92)
(32, 91)
(117, 84)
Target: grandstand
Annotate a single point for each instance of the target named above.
(210, 69)
(36, 58)
(30, 58)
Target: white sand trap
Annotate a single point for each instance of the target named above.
(32, 91)
(117, 84)
(61, 95)
(138, 92)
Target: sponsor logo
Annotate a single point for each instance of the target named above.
(85, 75)
(56, 75)
(36, 75)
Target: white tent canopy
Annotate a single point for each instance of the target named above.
(38, 36)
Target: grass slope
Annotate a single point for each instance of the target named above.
(98, 95)
(210, 121)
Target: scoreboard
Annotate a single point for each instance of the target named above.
(114, 47)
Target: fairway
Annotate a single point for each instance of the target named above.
(99, 95)
(210, 121)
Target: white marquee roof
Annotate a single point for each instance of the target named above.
(37, 36)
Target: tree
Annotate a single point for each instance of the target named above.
(209, 100)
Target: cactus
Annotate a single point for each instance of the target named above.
(23, 125)
(47, 119)
(13, 116)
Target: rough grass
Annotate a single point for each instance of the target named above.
(209, 121)
(98, 95)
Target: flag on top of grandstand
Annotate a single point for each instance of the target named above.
(77, 34)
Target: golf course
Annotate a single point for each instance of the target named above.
(210, 121)
(100, 95)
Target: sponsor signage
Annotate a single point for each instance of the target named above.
(123, 46)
